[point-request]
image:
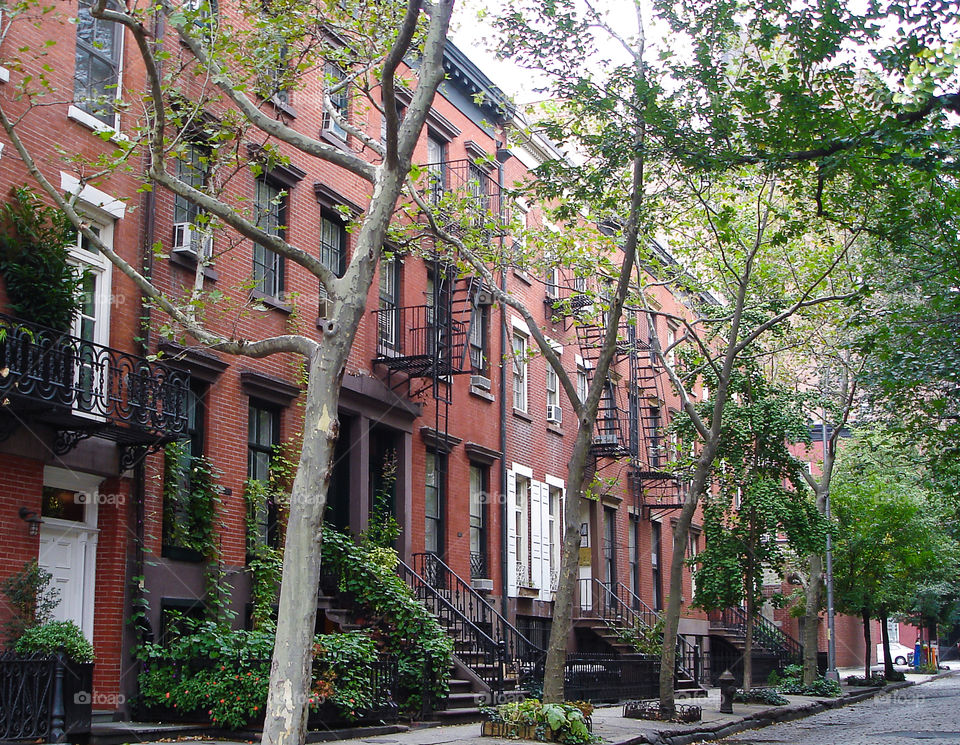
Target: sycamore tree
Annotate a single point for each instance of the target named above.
(218, 80)
(760, 510)
(890, 541)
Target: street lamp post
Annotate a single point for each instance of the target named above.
(832, 673)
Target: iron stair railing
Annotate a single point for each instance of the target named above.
(788, 650)
(521, 658)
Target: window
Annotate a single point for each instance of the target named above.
(656, 539)
(436, 167)
(672, 329)
(479, 182)
(553, 395)
(633, 546)
(521, 508)
(433, 503)
(96, 79)
(520, 365)
(478, 535)
(271, 216)
(552, 283)
(479, 326)
(553, 534)
(583, 384)
(693, 549)
(333, 242)
(609, 546)
(339, 99)
(653, 437)
(388, 318)
(176, 517)
(190, 232)
(263, 434)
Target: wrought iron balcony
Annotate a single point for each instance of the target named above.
(83, 389)
(415, 341)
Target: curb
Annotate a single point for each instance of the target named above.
(765, 718)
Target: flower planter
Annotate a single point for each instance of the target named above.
(28, 697)
(510, 730)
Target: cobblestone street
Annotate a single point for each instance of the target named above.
(927, 713)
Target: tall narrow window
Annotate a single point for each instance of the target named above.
(96, 79)
(190, 234)
(520, 366)
(271, 214)
(553, 534)
(583, 384)
(263, 434)
(521, 508)
(333, 246)
(609, 546)
(633, 544)
(653, 437)
(176, 516)
(433, 503)
(478, 531)
(656, 554)
(552, 282)
(479, 185)
(479, 325)
(553, 396)
(436, 167)
(339, 99)
(693, 548)
(388, 317)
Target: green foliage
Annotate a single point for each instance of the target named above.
(341, 666)
(383, 529)
(644, 639)
(30, 598)
(191, 498)
(791, 682)
(411, 633)
(56, 636)
(43, 287)
(874, 681)
(767, 696)
(565, 723)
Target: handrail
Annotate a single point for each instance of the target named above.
(490, 667)
(766, 634)
(519, 652)
(687, 652)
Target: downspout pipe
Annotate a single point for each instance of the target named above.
(502, 156)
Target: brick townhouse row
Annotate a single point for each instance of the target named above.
(481, 449)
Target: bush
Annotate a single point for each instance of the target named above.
(30, 598)
(54, 637)
(875, 680)
(564, 723)
(759, 696)
(896, 677)
(791, 681)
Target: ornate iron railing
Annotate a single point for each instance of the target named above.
(424, 344)
(619, 607)
(478, 565)
(765, 634)
(521, 659)
(600, 677)
(44, 697)
(80, 385)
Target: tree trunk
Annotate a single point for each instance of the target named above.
(290, 670)
(568, 583)
(671, 616)
(811, 619)
(885, 639)
(865, 616)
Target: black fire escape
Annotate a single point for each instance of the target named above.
(629, 422)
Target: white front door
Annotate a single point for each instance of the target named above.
(68, 543)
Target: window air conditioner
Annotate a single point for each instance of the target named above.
(554, 414)
(189, 240)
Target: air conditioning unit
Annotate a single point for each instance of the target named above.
(606, 439)
(484, 297)
(554, 414)
(189, 240)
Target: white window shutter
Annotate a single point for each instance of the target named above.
(545, 584)
(511, 567)
(536, 534)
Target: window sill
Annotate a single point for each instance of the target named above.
(481, 393)
(85, 119)
(522, 415)
(209, 273)
(555, 428)
(271, 302)
(284, 108)
(331, 138)
(522, 276)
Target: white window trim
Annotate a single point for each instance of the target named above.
(93, 197)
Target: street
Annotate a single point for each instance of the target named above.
(930, 712)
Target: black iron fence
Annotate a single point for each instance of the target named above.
(598, 677)
(44, 697)
(53, 372)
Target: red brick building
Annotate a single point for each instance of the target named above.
(482, 445)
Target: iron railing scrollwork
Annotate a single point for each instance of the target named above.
(518, 659)
(92, 383)
(478, 565)
(44, 697)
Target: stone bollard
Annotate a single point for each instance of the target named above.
(728, 687)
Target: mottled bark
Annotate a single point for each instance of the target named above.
(811, 618)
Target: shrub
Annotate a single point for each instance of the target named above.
(31, 599)
(56, 636)
(896, 677)
(874, 680)
(564, 723)
(759, 696)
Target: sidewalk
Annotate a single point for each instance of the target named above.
(614, 729)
